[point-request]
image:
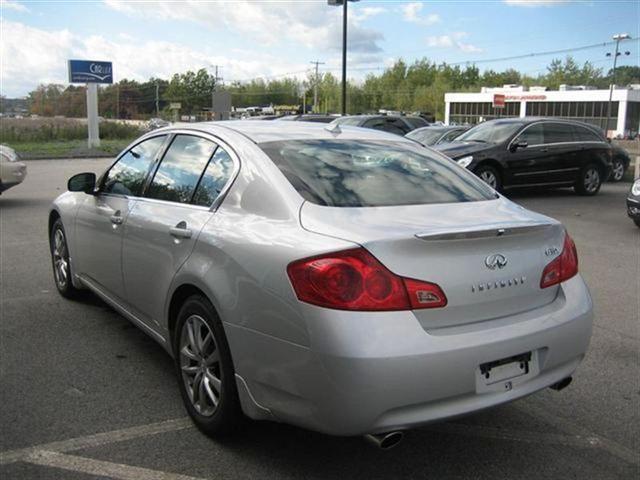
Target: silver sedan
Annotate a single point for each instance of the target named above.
(344, 280)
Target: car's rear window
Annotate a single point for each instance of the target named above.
(356, 173)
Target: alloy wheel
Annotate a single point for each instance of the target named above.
(489, 178)
(591, 180)
(60, 259)
(200, 365)
(618, 171)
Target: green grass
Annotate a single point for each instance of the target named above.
(68, 148)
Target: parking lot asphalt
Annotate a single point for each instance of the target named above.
(84, 394)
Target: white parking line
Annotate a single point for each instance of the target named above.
(11, 456)
(100, 468)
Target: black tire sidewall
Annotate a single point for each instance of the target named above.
(226, 416)
(68, 290)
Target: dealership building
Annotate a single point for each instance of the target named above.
(572, 102)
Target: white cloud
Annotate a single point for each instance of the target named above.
(453, 40)
(11, 5)
(534, 3)
(411, 12)
(313, 25)
(43, 58)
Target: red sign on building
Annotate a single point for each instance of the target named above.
(498, 100)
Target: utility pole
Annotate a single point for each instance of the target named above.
(216, 79)
(315, 86)
(157, 100)
(617, 38)
(117, 100)
(343, 3)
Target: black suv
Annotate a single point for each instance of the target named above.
(532, 152)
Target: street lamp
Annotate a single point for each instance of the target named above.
(618, 37)
(335, 3)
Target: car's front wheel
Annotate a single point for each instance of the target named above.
(60, 261)
(617, 170)
(589, 181)
(204, 367)
(490, 176)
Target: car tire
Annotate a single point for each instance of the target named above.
(204, 368)
(637, 222)
(589, 181)
(60, 261)
(617, 170)
(490, 176)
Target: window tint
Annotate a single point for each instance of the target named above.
(180, 169)
(426, 136)
(215, 177)
(583, 134)
(356, 173)
(127, 176)
(532, 135)
(416, 122)
(450, 136)
(558, 132)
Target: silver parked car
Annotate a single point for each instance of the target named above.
(341, 279)
(12, 170)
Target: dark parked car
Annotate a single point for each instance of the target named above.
(308, 117)
(532, 152)
(633, 202)
(387, 123)
(435, 135)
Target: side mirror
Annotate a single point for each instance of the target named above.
(82, 182)
(518, 144)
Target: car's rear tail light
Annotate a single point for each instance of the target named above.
(355, 280)
(563, 267)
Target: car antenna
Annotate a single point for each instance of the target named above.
(334, 129)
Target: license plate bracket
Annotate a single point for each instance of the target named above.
(506, 368)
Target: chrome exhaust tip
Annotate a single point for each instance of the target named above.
(385, 441)
(564, 383)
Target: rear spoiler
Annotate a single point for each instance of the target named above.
(469, 233)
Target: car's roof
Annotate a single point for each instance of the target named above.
(438, 128)
(260, 131)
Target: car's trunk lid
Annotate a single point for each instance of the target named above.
(487, 256)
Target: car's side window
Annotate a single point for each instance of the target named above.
(177, 176)
(214, 179)
(558, 133)
(583, 134)
(128, 174)
(533, 135)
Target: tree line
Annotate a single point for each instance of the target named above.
(419, 86)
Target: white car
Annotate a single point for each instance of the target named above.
(12, 172)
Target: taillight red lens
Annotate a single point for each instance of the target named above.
(355, 280)
(563, 267)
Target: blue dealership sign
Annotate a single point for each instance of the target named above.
(89, 71)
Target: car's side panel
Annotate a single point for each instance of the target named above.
(98, 247)
(152, 254)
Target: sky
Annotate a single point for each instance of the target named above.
(271, 38)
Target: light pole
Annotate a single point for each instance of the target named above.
(344, 48)
(618, 37)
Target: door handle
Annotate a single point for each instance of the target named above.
(180, 231)
(116, 218)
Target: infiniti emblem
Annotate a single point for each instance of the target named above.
(495, 261)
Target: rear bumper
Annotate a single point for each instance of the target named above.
(375, 372)
(12, 174)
